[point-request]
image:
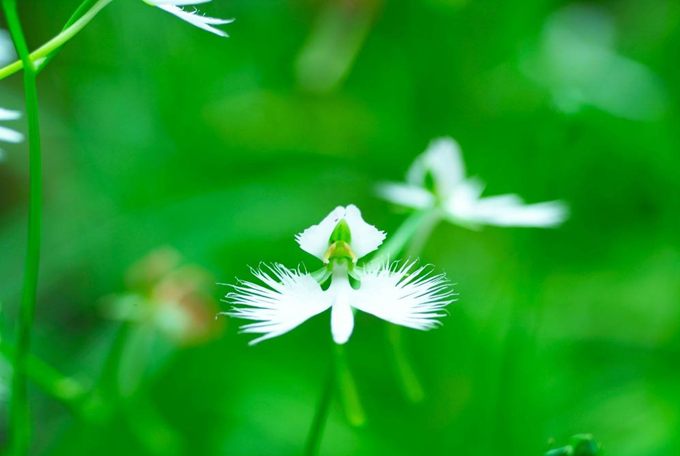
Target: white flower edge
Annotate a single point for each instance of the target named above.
(193, 17)
(365, 238)
(407, 195)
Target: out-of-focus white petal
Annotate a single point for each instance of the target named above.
(509, 210)
(505, 210)
(462, 203)
(10, 136)
(444, 161)
(9, 114)
(7, 52)
(365, 238)
(403, 296)
(342, 318)
(314, 239)
(194, 18)
(406, 195)
(287, 299)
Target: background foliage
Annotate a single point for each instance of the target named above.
(160, 135)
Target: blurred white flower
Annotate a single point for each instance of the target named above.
(400, 294)
(577, 62)
(166, 296)
(437, 181)
(193, 17)
(7, 134)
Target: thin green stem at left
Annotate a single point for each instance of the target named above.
(44, 51)
(66, 390)
(20, 422)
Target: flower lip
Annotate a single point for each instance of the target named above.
(342, 224)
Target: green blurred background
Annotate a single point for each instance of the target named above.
(158, 135)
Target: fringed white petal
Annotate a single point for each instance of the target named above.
(194, 18)
(406, 195)
(404, 296)
(444, 161)
(314, 239)
(365, 238)
(287, 299)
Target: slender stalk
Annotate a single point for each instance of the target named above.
(402, 237)
(348, 389)
(341, 375)
(320, 416)
(428, 222)
(82, 9)
(55, 43)
(411, 236)
(65, 389)
(410, 385)
(20, 422)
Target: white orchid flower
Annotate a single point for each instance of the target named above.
(437, 180)
(192, 17)
(400, 294)
(7, 134)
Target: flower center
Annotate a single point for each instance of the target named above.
(339, 247)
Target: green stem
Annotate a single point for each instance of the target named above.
(401, 238)
(414, 233)
(20, 422)
(348, 389)
(82, 9)
(65, 389)
(320, 417)
(428, 222)
(341, 375)
(408, 379)
(55, 43)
